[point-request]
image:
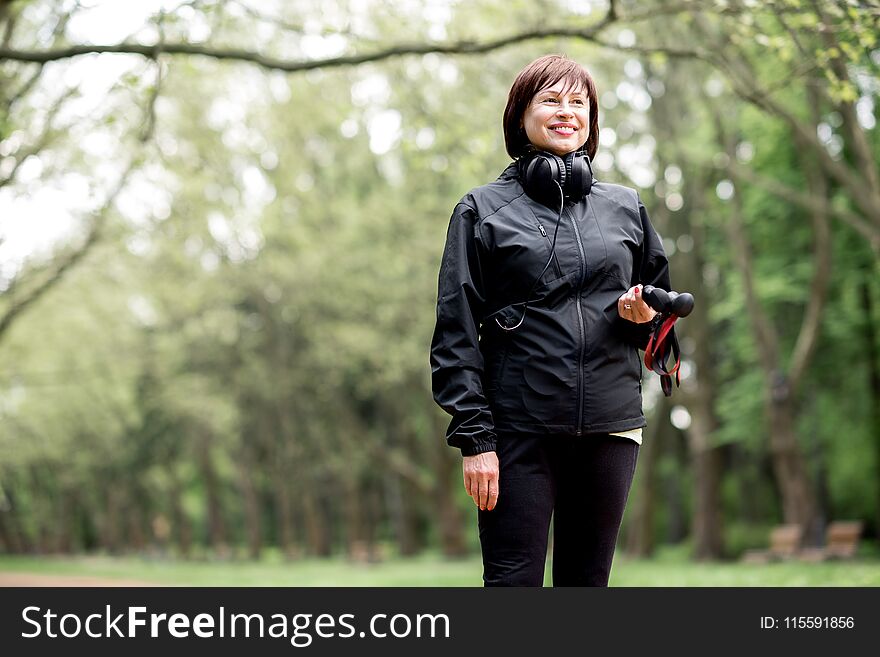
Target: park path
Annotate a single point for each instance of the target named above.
(37, 579)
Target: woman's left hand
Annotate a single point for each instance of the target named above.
(632, 307)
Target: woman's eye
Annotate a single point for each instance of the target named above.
(550, 100)
(578, 101)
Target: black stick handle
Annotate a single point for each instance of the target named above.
(677, 303)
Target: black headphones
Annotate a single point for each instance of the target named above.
(543, 173)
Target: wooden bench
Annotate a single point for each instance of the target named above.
(842, 539)
(785, 543)
(841, 542)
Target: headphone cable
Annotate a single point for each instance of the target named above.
(525, 304)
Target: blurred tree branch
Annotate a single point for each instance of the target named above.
(66, 262)
(464, 47)
(150, 111)
(736, 61)
(805, 200)
(45, 138)
(745, 84)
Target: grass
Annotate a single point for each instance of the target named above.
(650, 573)
(670, 568)
(423, 571)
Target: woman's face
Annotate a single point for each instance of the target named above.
(558, 122)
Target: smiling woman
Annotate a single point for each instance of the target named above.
(538, 364)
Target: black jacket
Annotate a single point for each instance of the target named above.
(573, 365)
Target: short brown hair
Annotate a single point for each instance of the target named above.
(542, 73)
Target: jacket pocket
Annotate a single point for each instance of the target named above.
(636, 364)
(496, 367)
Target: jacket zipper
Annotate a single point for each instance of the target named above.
(581, 327)
(556, 266)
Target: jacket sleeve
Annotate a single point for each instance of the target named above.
(456, 361)
(651, 267)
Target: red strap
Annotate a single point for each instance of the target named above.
(661, 343)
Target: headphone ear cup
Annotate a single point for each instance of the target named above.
(540, 172)
(580, 179)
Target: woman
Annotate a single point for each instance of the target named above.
(535, 351)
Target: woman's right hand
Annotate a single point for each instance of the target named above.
(481, 479)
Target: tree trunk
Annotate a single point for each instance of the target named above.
(640, 538)
(216, 524)
(669, 113)
(677, 528)
(356, 547)
(10, 533)
(401, 515)
(750, 475)
(317, 535)
(798, 505)
(448, 478)
(283, 512)
(179, 519)
(250, 502)
(134, 521)
(819, 471)
(110, 531)
(281, 431)
(700, 396)
(707, 528)
(372, 520)
(66, 516)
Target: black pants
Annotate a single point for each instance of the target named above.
(583, 482)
